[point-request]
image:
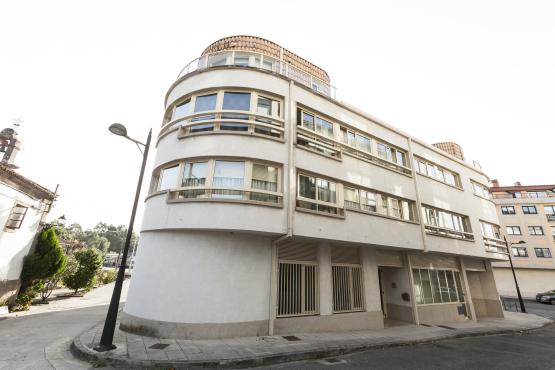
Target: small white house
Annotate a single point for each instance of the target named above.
(24, 204)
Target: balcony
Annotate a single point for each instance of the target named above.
(450, 233)
(494, 245)
(249, 59)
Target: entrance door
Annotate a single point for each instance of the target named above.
(382, 293)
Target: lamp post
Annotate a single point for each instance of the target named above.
(106, 340)
(508, 244)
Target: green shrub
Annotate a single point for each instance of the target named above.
(82, 269)
(47, 261)
(108, 277)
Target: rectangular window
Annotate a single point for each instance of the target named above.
(442, 222)
(394, 208)
(508, 210)
(490, 230)
(433, 286)
(363, 143)
(368, 201)
(16, 217)
(549, 212)
(529, 210)
(437, 172)
(348, 136)
(319, 190)
(297, 289)
(205, 103)
(237, 101)
(481, 190)
(182, 109)
(351, 198)
(542, 252)
(517, 194)
(194, 174)
(520, 252)
(536, 194)
(382, 151)
(553, 231)
(168, 178)
(535, 230)
(513, 230)
(265, 106)
(324, 127)
(229, 174)
(400, 158)
(264, 178)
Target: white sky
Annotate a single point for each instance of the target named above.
(480, 73)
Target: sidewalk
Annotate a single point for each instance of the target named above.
(57, 302)
(135, 351)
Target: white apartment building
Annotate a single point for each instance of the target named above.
(276, 208)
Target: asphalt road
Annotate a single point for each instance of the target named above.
(530, 350)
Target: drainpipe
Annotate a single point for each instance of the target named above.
(289, 207)
(466, 287)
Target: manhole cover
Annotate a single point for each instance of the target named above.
(291, 338)
(446, 327)
(159, 346)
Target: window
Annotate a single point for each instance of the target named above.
(16, 217)
(445, 223)
(529, 210)
(307, 121)
(297, 289)
(366, 201)
(352, 199)
(490, 230)
(508, 210)
(324, 127)
(542, 252)
(553, 231)
(268, 107)
(264, 178)
(228, 174)
(313, 122)
(536, 194)
(168, 178)
(516, 194)
(221, 179)
(432, 286)
(205, 103)
(348, 136)
(513, 230)
(481, 190)
(520, 252)
(439, 173)
(182, 109)
(317, 194)
(237, 101)
(535, 230)
(549, 212)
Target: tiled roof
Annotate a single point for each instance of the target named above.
(10, 177)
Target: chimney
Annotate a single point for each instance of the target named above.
(518, 183)
(9, 146)
(495, 183)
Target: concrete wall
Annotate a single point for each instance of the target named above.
(530, 281)
(440, 313)
(15, 244)
(484, 293)
(200, 278)
(395, 282)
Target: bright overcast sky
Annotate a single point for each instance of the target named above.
(480, 73)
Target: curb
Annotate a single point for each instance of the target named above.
(82, 352)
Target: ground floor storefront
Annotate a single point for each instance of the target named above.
(217, 285)
(530, 281)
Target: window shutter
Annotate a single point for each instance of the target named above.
(345, 255)
(298, 252)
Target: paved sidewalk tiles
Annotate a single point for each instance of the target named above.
(134, 351)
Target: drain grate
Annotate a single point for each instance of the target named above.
(446, 327)
(159, 346)
(291, 338)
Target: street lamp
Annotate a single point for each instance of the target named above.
(107, 338)
(508, 244)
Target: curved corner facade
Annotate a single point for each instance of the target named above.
(274, 208)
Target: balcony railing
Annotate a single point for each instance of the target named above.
(250, 59)
(190, 194)
(494, 245)
(441, 231)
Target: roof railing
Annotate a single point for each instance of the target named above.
(250, 59)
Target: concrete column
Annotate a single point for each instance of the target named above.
(326, 288)
(371, 281)
(466, 287)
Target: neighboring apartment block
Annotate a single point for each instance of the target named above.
(275, 208)
(527, 213)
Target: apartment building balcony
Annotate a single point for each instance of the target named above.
(250, 59)
(494, 245)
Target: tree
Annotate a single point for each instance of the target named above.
(116, 235)
(47, 261)
(82, 270)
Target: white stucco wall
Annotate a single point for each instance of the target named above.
(200, 277)
(15, 244)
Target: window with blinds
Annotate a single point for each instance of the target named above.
(15, 219)
(347, 280)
